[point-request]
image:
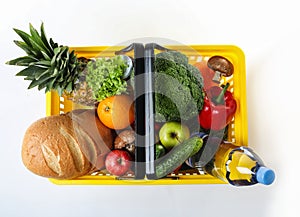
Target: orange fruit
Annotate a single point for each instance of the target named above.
(116, 112)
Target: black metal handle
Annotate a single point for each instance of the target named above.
(139, 105)
(150, 108)
(144, 107)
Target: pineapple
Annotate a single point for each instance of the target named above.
(82, 93)
(51, 67)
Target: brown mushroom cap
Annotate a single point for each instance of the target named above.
(221, 64)
(125, 140)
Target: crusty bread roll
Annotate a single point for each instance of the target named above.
(66, 146)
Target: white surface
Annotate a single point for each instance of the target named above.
(267, 31)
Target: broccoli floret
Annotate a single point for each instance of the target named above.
(178, 87)
(167, 59)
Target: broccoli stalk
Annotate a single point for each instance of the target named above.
(178, 87)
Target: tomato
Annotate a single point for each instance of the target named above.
(206, 73)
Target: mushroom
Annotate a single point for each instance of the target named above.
(221, 67)
(125, 140)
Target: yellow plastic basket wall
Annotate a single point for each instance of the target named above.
(238, 128)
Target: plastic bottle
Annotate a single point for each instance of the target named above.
(239, 166)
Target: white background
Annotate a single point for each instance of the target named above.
(267, 31)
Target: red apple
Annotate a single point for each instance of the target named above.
(118, 162)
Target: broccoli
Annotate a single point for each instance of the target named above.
(178, 87)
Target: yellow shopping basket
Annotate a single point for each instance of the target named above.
(237, 129)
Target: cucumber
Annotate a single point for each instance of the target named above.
(177, 156)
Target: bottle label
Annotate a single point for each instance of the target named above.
(241, 166)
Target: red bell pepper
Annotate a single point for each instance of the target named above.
(218, 109)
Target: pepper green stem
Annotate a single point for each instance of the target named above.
(220, 98)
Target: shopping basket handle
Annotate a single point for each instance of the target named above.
(139, 105)
(150, 108)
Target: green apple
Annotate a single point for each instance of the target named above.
(172, 133)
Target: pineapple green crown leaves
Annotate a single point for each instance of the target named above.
(47, 65)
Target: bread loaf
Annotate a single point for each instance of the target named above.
(66, 146)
